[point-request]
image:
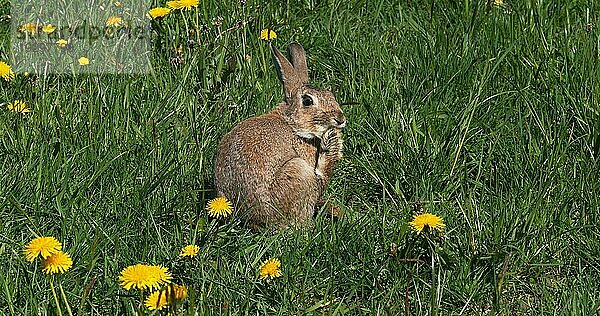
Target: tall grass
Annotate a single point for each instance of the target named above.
(485, 115)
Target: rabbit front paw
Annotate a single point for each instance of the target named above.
(331, 143)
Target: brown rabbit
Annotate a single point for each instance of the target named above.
(276, 165)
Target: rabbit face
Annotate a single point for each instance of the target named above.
(310, 112)
(313, 112)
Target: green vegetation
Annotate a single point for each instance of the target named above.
(488, 116)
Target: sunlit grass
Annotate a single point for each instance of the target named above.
(484, 115)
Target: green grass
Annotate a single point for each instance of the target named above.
(486, 116)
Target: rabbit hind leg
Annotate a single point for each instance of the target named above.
(295, 191)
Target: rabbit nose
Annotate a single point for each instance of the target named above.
(341, 121)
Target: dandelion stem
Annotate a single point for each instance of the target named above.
(64, 297)
(434, 292)
(187, 29)
(55, 297)
(197, 27)
(140, 306)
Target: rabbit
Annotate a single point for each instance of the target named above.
(277, 165)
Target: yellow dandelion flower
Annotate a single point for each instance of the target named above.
(182, 4)
(44, 246)
(157, 12)
(270, 268)
(118, 4)
(432, 221)
(267, 34)
(189, 251)
(30, 28)
(219, 207)
(49, 28)
(114, 21)
(58, 262)
(144, 276)
(157, 300)
(173, 4)
(62, 43)
(6, 72)
(166, 296)
(21, 107)
(83, 61)
(179, 292)
(498, 2)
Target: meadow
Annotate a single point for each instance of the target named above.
(485, 114)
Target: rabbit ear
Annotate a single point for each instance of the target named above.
(286, 71)
(298, 59)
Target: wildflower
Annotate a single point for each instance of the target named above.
(267, 34)
(157, 300)
(118, 4)
(182, 4)
(270, 268)
(219, 207)
(189, 251)
(58, 262)
(62, 43)
(432, 221)
(49, 28)
(168, 295)
(30, 28)
(83, 61)
(6, 72)
(179, 292)
(114, 21)
(498, 2)
(41, 245)
(157, 12)
(21, 107)
(144, 276)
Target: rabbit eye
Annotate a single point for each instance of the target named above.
(307, 100)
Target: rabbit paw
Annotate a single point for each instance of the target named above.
(331, 143)
(330, 153)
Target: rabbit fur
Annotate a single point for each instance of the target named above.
(277, 165)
